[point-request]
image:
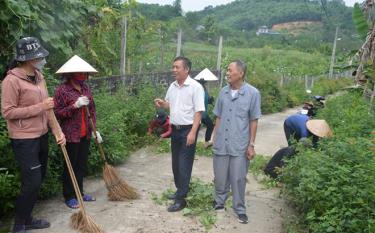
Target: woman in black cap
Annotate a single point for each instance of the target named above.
(25, 104)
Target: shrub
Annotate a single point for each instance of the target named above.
(8, 185)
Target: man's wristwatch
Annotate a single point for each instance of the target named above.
(252, 145)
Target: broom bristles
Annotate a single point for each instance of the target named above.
(84, 223)
(118, 189)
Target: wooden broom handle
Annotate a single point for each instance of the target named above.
(101, 151)
(55, 125)
(74, 180)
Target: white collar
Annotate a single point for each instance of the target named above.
(187, 82)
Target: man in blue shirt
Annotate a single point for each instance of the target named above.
(237, 110)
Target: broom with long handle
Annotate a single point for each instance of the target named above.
(118, 189)
(79, 221)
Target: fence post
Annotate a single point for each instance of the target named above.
(218, 64)
(123, 51)
(330, 75)
(372, 98)
(282, 80)
(179, 41)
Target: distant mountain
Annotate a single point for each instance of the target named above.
(306, 25)
(251, 14)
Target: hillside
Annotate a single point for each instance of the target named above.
(238, 22)
(290, 26)
(250, 14)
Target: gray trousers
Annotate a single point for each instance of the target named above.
(230, 173)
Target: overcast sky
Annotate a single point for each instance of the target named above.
(196, 5)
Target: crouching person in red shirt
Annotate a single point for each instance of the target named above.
(160, 125)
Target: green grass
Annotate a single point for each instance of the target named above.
(256, 168)
(199, 202)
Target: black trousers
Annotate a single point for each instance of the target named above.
(277, 160)
(182, 161)
(32, 157)
(210, 127)
(78, 155)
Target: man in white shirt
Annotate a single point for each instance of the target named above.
(185, 99)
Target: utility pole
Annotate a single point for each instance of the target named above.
(333, 55)
(219, 51)
(123, 51)
(179, 40)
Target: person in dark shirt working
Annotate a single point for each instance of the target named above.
(316, 128)
(295, 125)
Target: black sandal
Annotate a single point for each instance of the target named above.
(37, 224)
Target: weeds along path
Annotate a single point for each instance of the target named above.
(151, 173)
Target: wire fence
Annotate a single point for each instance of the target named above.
(164, 79)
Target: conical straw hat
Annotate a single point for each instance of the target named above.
(206, 75)
(319, 128)
(76, 65)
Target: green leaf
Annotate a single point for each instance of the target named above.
(360, 21)
(187, 211)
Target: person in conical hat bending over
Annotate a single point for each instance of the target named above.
(72, 97)
(24, 105)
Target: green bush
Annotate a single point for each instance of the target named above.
(8, 185)
(333, 186)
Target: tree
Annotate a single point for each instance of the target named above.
(210, 28)
(58, 24)
(177, 7)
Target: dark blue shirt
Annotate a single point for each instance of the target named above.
(297, 122)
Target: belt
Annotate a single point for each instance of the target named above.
(178, 127)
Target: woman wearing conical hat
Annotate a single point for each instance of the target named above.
(72, 98)
(24, 105)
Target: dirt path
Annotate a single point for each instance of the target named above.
(152, 173)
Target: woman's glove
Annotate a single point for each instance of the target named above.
(81, 101)
(98, 136)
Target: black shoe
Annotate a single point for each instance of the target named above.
(19, 229)
(177, 206)
(37, 224)
(217, 207)
(242, 218)
(172, 197)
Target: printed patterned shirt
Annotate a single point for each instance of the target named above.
(70, 118)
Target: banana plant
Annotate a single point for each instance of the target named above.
(360, 22)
